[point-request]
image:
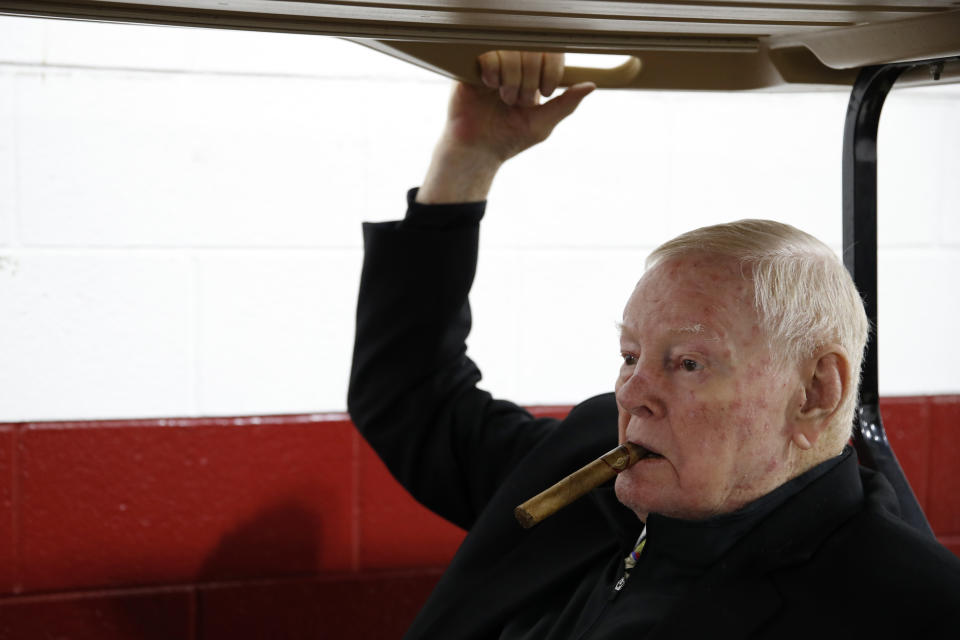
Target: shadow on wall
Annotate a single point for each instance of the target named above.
(263, 581)
(280, 541)
(241, 586)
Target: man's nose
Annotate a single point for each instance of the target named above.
(638, 394)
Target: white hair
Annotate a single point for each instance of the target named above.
(804, 296)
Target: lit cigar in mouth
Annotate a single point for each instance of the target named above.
(580, 482)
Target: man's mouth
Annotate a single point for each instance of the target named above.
(651, 454)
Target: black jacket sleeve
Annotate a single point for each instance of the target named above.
(413, 391)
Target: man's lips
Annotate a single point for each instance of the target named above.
(651, 452)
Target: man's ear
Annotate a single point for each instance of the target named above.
(825, 385)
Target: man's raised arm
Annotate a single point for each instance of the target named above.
(413, 391)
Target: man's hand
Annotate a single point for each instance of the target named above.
(488, 125)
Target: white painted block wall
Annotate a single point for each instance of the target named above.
(180, 211)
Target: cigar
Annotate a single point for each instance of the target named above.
(580, 482)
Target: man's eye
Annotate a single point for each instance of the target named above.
(629, 359)
(690, 365)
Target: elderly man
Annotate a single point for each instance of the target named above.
(741, 348)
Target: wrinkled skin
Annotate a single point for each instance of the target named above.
(699, 385)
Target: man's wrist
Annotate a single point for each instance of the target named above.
(458, 174)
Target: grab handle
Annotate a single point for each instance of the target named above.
(459, 61)
(623, 75)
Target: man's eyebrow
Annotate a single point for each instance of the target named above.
(624, 331)
(697, 329)
(694, 328)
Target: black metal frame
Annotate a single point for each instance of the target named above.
(860, 257)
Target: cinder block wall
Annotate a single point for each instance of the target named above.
(179, 240)
(180, 218)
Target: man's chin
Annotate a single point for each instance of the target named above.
(627, 494)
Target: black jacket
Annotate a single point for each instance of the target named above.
(833, 560)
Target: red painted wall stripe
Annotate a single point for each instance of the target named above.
(267, 518)
(113, 505)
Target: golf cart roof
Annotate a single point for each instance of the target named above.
(675, 44)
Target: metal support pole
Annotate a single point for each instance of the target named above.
(860, 257)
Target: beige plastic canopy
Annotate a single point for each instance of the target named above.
(674, 44)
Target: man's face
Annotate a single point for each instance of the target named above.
(700, 387)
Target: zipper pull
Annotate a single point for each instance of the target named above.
(621, 583)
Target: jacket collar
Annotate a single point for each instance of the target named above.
(738, 595)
